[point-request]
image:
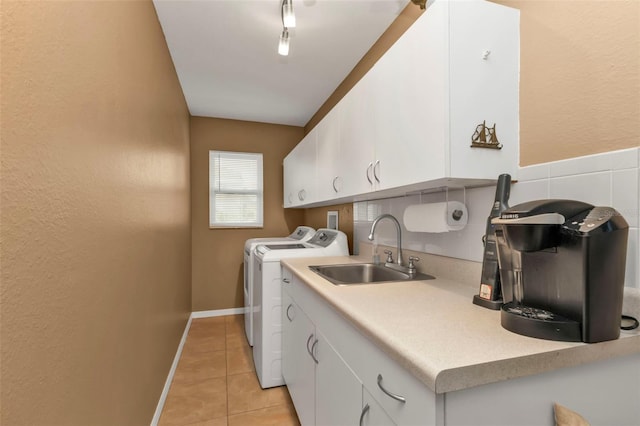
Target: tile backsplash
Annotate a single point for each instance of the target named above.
(607, 179)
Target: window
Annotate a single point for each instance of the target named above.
(235, 189)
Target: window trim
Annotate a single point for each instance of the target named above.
(259, 223)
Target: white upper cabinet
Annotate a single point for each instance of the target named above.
(300, 173)
(484, 52)
(330, 182)
(408, 123)
(357, 157)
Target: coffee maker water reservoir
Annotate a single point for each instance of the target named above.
(562, 265)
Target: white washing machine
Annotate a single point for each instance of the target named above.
(267, 297)
(301, 234)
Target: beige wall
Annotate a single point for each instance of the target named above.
(95, 213)
(217, 254)
(580, 77)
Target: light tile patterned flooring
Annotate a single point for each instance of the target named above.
(215, 382)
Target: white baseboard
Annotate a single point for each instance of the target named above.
(176, 359)
(217, 313)
(167, 383)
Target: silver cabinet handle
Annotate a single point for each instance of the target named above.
(308, 341)
(391, 394)
(365, 409)
(368, 176)
(287, 313)
(375, 175)
(286, 280)
(313, 349)
(334, 184)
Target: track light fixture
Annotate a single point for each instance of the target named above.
(288, 17)
(288, 21)
(283, 45)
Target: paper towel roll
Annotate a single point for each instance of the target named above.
(436, 217)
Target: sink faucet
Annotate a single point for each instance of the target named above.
(399, 233)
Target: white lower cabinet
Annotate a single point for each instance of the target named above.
(298, 367)
(337, 376)
(332, 371)
(338, 389)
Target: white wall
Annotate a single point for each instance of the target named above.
(608, 179)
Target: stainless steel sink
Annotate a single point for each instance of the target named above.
(364, 273)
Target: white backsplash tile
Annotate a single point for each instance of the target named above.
(609, 179)
(535, 172)
(593, 188)
(625, 199)
(614, 160)
(528, 191)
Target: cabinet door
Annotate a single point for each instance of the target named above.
(299, 367)
(356, 160)
(338, 390)
(289, 310)
(372, 412)
(287, 175)
(410, 104)
(300, 172)
(329, 183)
(484, 87)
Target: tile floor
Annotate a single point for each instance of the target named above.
(215, 382)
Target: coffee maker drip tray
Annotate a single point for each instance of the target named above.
(539, 323)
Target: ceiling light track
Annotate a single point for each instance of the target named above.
(288, 21)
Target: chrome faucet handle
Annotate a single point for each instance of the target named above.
(389, 254)
(412, 266)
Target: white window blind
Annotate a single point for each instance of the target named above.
(235, 189)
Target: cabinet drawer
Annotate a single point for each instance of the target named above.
(403, 397)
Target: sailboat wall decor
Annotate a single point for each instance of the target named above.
(485, 137)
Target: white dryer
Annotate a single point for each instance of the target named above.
(267, 297)
(301, 234)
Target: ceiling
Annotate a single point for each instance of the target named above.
(225, 53)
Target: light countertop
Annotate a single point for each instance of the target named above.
(433, 329)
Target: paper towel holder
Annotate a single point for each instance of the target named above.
(456, 215)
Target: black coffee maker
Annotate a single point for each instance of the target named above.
(562, 265)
